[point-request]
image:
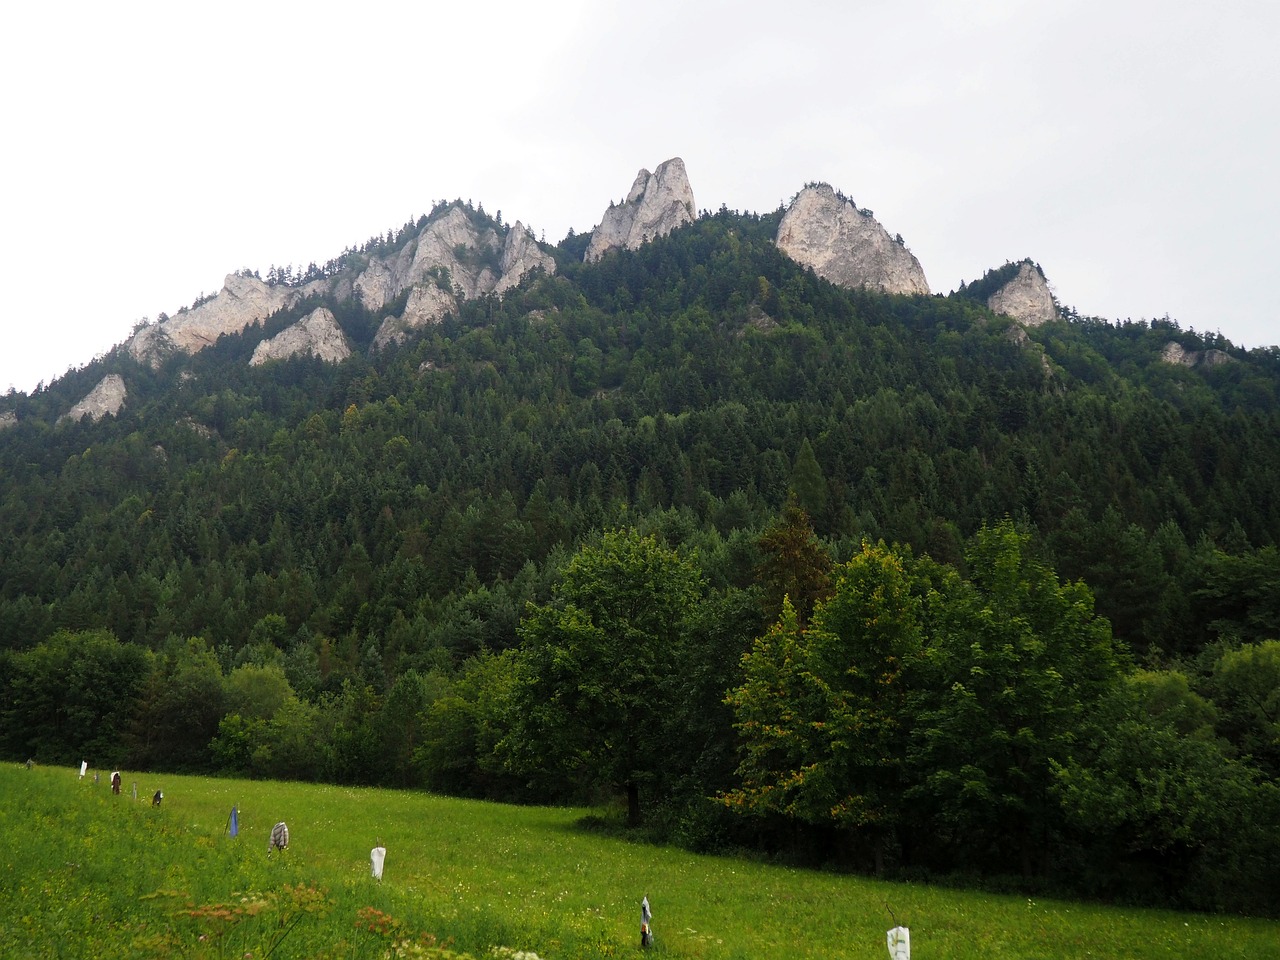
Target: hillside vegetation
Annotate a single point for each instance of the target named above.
(872, 581)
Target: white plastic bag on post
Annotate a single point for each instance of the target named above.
(899, 943)
(376, 858)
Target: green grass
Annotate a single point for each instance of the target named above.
(89, 874)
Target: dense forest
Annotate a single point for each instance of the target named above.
(880, 582)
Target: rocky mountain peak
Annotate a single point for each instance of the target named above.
(1025, 297)
(824, 230)
(657, 203)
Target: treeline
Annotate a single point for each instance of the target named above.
(372, 533)
(894, 714)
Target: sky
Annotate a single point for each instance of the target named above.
(147, 149)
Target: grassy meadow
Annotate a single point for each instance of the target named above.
(84, 873)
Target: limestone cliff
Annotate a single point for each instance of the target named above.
(657, 203)
(455, 244)
(1025, 297)
(106, 399)
(242, 302)
(521, 255)
(427, 305)
(473, 254)
(823, 230)
(317, 334)
(1175, 353)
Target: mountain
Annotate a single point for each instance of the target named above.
(329, 525)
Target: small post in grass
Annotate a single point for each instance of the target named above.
(279, 838)
(899, 939)
(377, 856)
(646, 934)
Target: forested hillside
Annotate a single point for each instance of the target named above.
(877, 579)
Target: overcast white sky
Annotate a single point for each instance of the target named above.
(1131, 147)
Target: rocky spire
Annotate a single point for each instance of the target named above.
(657, 204)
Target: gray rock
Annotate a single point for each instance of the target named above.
(106, 399)
(1175, 353)
(521, 255)
(317, 334)
(657, 203)
(845, 245)
(1025, 297)
(242, 302)
(427, 305)
(476, 259)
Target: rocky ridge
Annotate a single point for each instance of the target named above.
(454, 247)
(657, 203)
(106, 399)
(457, 254)
(242, 302)
(847, 246)
(316, 334)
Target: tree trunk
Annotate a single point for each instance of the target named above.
(633, 805)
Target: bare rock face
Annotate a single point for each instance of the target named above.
(317, 334)
(657, 204)
(1025, 297)
(1175, 353)
(845, 245)
(474, 256)
(242, 302)
(521, 255)
(105, 399)
(427, 306)
(451, 242)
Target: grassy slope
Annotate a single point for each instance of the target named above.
(89, 874)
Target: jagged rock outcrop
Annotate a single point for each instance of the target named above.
(847, 246)
(455, 247)
(657, 204)
(521, 255)
(1025, 297)
(8, 418)
(426, 306)
(475, 258)
(106, 399)
(450, 242)
(242, 302)
(1175, 353)
(317, 334)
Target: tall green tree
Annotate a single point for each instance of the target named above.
(605, 659)
(72, 698)
(822, 711)
(1015, 671)
(793, 563)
